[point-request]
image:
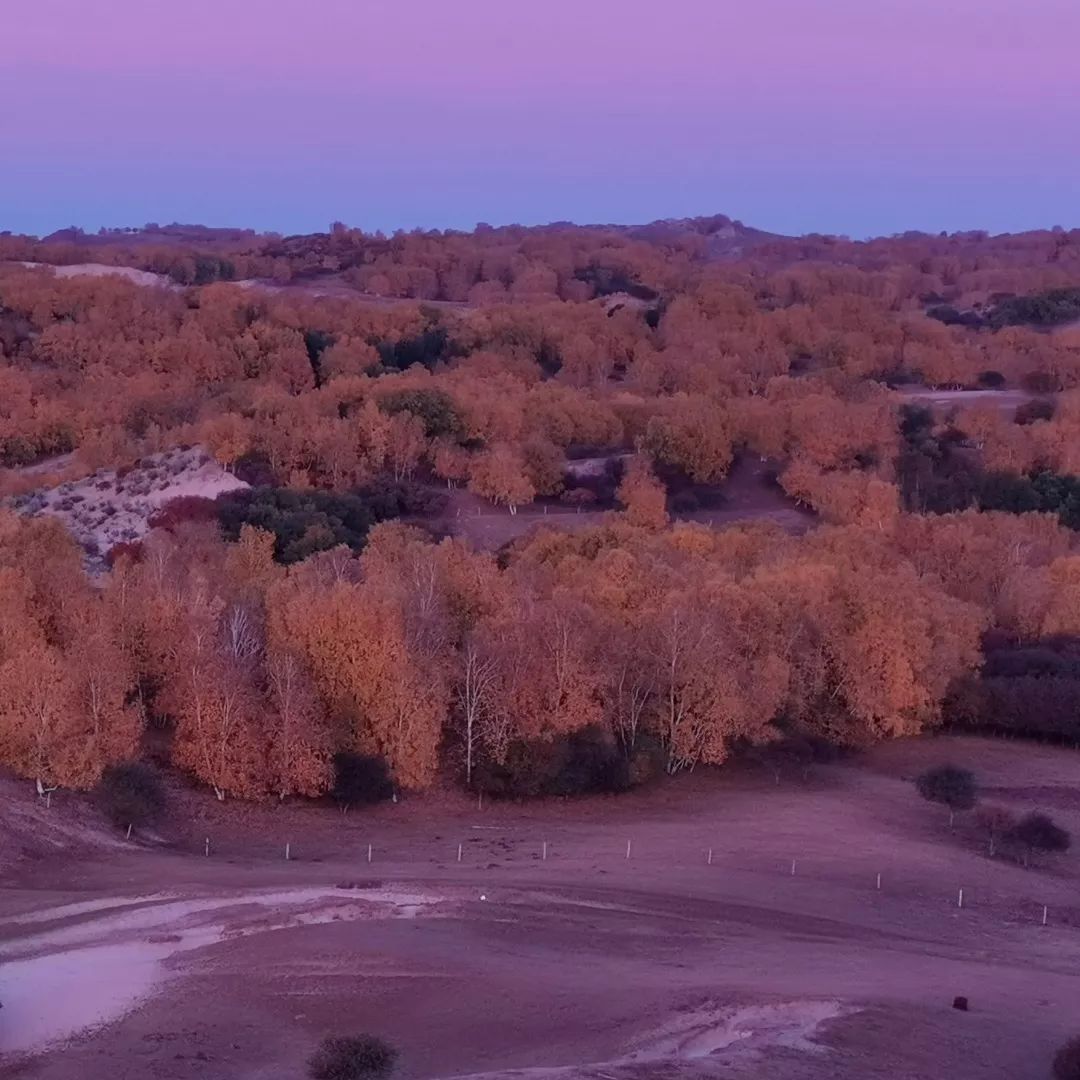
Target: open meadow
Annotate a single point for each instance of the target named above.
(743, 936)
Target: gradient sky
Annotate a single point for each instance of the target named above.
(851, 116)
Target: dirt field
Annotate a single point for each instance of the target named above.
(136, 961)
(746, 495)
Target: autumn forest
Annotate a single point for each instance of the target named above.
(911, 403)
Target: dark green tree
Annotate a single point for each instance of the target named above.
(949, 785)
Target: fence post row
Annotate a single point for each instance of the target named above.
(961, 899)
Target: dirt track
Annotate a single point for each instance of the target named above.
(1005, 400)
(746, 495)
(660, 964)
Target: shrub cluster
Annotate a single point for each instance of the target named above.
(131, 794)
(582, 763)
(1020, 837)
(357, 1057)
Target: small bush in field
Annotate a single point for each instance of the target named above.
(131, 794)
(1067, 1061)
(580, 497)
(359, 1057)
(1039, 832)
(949, 785)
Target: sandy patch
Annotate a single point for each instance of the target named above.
(136, 277)
(710, 1029)
(1006, 400)
(115, 506)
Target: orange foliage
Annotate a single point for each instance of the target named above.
(642, 496)
(516, 349)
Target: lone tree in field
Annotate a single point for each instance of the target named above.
(949, 785)
(360, 1057)
(1067, 1061)
(1038, 832)
(131, 794)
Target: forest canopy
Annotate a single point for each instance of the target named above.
(359, 384)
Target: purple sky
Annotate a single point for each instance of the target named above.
(852, 116)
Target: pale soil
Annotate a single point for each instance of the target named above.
(108, 508)
(137, 277)
(1006, 400)
(588, 964)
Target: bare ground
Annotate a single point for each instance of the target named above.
(1006, 400)
(131, 273)
(113, 506)
(141, 961)
(747, 494)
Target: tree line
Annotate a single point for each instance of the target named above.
(300, 620)
(623, 648)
